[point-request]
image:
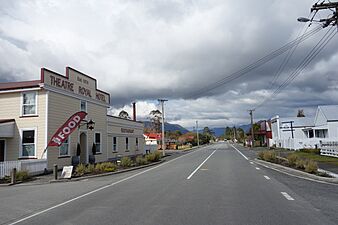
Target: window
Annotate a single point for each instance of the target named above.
(83, 106)
(136, 144)
(28, 143)
(310, 133)
(29, 103)
(127, 144)
(64, 148)
(98, 142)
(114, 144)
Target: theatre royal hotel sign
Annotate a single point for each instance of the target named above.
(75, 83)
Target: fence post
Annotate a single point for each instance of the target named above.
(55, 171)
(13, 176)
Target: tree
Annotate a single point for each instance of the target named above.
(300, 113)
(155, 119)
(123, 114)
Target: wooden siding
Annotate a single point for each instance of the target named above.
(11, 109)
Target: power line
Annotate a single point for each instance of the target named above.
(327, 37)
(255, 64)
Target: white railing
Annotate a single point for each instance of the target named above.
(295, 144)
(33, 166)
(329, 148)
(7, 166)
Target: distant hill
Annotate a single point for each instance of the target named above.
(168, 127)
(220, 130)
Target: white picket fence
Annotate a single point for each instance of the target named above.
(33, 166)
(329, 148)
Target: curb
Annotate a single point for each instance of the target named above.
(105, 174)
(296, 173)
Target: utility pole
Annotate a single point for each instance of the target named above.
(252, 128)
(197, 135)
(333, 20)
(163, 141)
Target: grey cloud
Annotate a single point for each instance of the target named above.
(143, 50)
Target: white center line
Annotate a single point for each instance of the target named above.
(240, 152)
(287, 196)
(257, 168)
(188, 178)
(266, 177)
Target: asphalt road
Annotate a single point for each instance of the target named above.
(212, 185)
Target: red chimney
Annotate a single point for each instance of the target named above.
(134, 111)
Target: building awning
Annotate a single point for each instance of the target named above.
(7, 128)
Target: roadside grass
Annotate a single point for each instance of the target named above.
(316, 157)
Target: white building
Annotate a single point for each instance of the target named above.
(306, 132)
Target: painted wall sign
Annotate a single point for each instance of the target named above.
(126, 130)
(66, 129)
(75, 82)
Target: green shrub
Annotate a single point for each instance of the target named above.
(269, 156)
(299, 164)
(90, 168)
(22, 175)
(141, 161)
(80, 170)
(105, 167)
(154, 157)
(311, 166)
(158, 155)
(150, 157)
(292, 159)
(126, 162)
(261, 155)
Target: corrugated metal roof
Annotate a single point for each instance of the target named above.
(299, 121)
(330, 111)
(19, 85)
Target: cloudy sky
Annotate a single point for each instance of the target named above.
(145, 50)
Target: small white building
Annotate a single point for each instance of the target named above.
(306, 132)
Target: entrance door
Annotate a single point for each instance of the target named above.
(83, 146)
(2, 150)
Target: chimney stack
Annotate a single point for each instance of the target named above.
(134, 111)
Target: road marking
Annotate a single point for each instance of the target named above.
(240, 152)
(287, 196)
(257, 168)
(300, 177)
(204, 169)
(188, 178)
(251, 163)
(266, 177)
(99, 189)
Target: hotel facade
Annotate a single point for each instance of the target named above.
(31, 112)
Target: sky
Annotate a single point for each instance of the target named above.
(144, 50)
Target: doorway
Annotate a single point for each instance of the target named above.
(2, 150)
(83, 146)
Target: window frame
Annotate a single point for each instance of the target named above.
(98, 152)
(68, 148)
(127, 144)
(21, 142)
(114, 145)
(22, 104)
(137, 144)
(85, 105)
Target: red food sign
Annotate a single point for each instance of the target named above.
(66, 129)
